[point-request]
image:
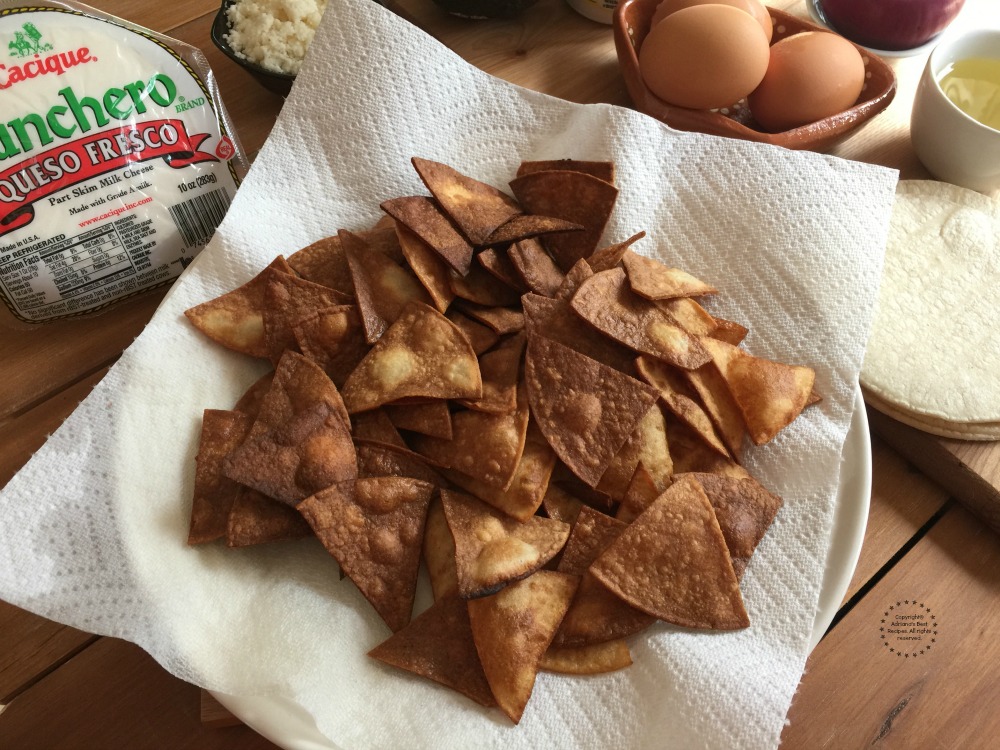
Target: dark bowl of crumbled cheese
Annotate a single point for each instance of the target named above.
(268, 38)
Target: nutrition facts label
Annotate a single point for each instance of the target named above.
(88, 260)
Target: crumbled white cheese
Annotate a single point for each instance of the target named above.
(274, 33)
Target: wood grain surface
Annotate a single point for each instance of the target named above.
(61, 688)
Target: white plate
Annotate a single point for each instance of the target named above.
(287, 725)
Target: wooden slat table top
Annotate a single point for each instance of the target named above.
(61, 688)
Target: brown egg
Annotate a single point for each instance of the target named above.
(753, 7)
(812, 75)
(703, 57)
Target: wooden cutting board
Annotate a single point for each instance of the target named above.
(970, 470)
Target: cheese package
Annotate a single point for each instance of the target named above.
(117, 159)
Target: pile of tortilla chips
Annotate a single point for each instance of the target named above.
(554, 426)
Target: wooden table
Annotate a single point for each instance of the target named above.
(62, 688)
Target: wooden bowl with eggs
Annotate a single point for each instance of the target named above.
(631, 25)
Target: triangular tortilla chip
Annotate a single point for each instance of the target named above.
(439, 553)
(535, 267)
(648, 444)
(689, 315)
(606, 302)
(438, 645)
(595, 614)
(236, 319)
(310, 451)
(729, 331)
(691, 453)
(527, 488)
(380, 460)
(500, 370)
(323, 262)
(672, 562)
(579, 273)
(484, 446)
(482, 287)
(721, 407)
(498, 265)
(561, 505)
(602, 170)
(376, 427)
(252, 399)
(432, 419)
(501, 320)
(425, 219)
(655, 280)
(333, 338)
(597, 658)
(513, 630)
(477, 208)
(586, 410)
(421, 354)
(573, 196)
(214, 494)
(554, 319)
(526, 226)
(770, 395)
(287, 300)
(608, 257)
(480, 337)
(382, 288)
(374, 528)
(745, 511)
(680, 397)
(427, 265)
(641, 493)
(492, 549)
(257, 519)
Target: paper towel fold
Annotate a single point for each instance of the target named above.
(92, 530)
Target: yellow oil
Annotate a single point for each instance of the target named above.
(973, 84)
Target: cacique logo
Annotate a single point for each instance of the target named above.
(29, 46)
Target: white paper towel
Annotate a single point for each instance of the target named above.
(93, 529)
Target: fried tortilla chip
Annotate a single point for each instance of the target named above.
(236, 319)
(608, 257)
(585, 409)
(595, 615)
(257, 519)
(525, 226)
(376, 427)
(745, 511)
(770, 395)
(729, 331)
(480, 286)
(439, 552)
(689, 315)
(374, 528)
(214, 494)
(475, 207)
(480, 337)
(438, 645)
(579, 273)
(672, 562)
(323, 262)
(427, 265)
(288, 299)
(492, 549)
(512, 631)
(720, 406)
(425, 219)
(641, 493)
(529, 485)
(379, 460)
(554, 319)
(421, 354)
(484, 446)
(680, 397)
(655, 280)
(496, 262)
(500, 369)
(561, 505)
(648, 444)
(382, 288)
(597, 658)
(310, 451)
(606, 302)
(602, 170)
(501, 320)
(334, 338)
(297, 386)
(573, 196)
(252, 399)
(432, 419)
(535, 267)
(690, 453)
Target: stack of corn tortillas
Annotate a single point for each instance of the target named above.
(933, 360)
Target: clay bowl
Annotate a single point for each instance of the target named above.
(631, 24)
(279, 83)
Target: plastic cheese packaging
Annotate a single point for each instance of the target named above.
(117, 159)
